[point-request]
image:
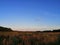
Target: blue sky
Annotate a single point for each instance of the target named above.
(30, 14)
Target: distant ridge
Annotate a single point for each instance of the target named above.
(55, 30)
(5, 29)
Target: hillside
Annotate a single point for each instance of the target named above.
(5, 29)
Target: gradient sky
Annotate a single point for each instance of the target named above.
(30, 14)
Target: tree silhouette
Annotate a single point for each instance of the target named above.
(5, 29)
(58, 30)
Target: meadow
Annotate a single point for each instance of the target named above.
(29, 38)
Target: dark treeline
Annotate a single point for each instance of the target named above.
(5, 29)
(56, 30)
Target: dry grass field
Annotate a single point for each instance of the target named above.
(29, 38)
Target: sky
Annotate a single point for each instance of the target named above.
(30, 15)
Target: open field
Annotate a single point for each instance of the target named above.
(29, 38)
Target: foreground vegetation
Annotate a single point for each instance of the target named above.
(28, 38)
